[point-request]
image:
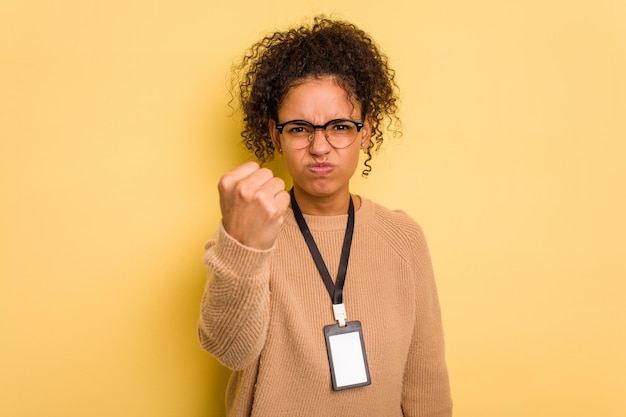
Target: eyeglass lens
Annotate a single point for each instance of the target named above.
(340, 133)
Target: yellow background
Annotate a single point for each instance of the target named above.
(115, 129)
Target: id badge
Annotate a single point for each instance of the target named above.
(346, 355)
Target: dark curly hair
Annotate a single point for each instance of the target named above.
(326, 47)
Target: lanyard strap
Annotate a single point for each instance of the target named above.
(334, 290)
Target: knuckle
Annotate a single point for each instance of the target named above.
(243, 190)
(279, 182)
(274, 213)
(225, 183)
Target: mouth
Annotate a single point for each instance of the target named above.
(321, 168)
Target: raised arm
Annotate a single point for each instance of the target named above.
(235, 305)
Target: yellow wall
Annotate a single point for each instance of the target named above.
(114, 131)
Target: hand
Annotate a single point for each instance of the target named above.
(253, 204)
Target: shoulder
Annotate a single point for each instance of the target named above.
(394, 226)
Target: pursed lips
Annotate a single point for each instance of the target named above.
(321, 168)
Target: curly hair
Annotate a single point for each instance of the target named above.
(324, 48)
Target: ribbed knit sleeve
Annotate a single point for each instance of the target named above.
(234, 312)
(426, 388)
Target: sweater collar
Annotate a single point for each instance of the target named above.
(333, 223)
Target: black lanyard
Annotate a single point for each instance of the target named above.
(334, 290)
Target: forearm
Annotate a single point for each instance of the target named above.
(426, 390)
(234, 311)
(426, 387)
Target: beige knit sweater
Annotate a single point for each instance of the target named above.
(263, 314)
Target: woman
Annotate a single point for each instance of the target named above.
(301, 340)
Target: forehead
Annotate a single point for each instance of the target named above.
(318, 99)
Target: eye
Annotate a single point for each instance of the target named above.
(341, 127)
(298, 129)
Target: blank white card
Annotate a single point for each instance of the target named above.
(348, 362)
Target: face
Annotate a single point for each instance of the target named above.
(320, 172)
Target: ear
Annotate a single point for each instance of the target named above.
(271, 125)
(366, 132)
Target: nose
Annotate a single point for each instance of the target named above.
(319, 147)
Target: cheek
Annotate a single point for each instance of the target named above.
(293, 160)
(351, 159)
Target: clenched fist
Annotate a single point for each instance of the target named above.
(253, 204)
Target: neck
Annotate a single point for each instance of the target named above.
(332, 205)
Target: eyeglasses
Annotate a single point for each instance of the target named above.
(340, 133)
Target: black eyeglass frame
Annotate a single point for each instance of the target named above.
(359, 125)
